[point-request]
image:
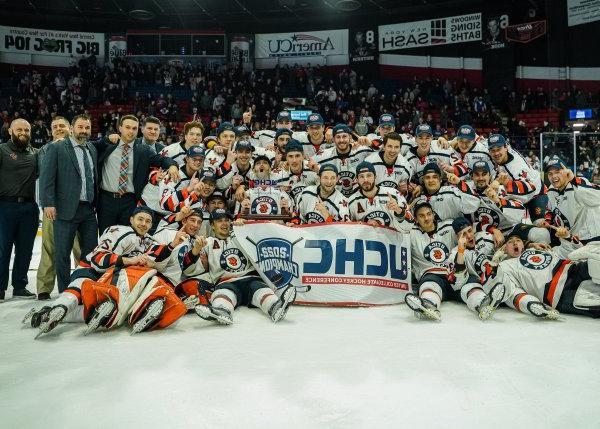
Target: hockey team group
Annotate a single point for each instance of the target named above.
(484, 228)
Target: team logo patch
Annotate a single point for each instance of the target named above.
(535, 260)
(297, 190)
(436, 252)
(233, 261)
(275, 260)
(347, 182)
(389, 184)
(313, 118)
(314, 217)
(264, 205)
(379, 216)
(486, 216)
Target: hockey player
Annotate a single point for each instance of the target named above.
(297, 174)
(263, 196)
(314, 139)
(192, 136)
(448, 201)
(220, 158)
(467, 266)
(119, 247)
(573, 202)
(193, 193)
(323, 203)
(377, 205)
(265, 138)
(469, 149)
(541, 284)
(521, 182)
(391, 168)
(430, 243)
(237, 283)
(426, 151)
(387, 125)
(240, 167)
(344, 157)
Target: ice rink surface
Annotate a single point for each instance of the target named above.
(321, 367)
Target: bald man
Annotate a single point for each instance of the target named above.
(18, 209)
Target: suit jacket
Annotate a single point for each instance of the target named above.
(60, 178)
(144, 158)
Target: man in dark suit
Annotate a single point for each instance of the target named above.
(151, 133)
(68, 188)
(124, 170)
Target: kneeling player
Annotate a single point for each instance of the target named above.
(237, 283)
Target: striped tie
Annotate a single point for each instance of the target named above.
(122, 188)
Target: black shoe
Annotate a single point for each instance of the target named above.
(44, 296)
(23, 294)
(1, 295)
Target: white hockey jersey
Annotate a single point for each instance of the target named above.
(538, 273)
(450, 201)
(224, 182)
(364, 209)
(262, 138)
(478, 152)
(525, 181)
(389, 176)
(336, 204)
(226, 261)
(294, 184)
(430, 251)
(577, 208)
(436, 155)
(504, 215)
(172, 269)
(176, 151)
(151, 194)
(311, 150)
(346, 165)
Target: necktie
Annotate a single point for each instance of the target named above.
(89, 174)
(122, 188)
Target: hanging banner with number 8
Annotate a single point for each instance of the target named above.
(363, 45)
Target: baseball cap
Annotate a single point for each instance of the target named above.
(423, 129)
(314, 119)
(496, 140)
(208, 175)
(555, 162)
(225, 126)
(432, 167)
(196, 151)
(244, 145)
(282, 131)
(466, 132)
(481, 165)
(142, 209)
(262, 158)
(364, 167)
(341, 128)
(240, 130)
(284, 115)
(216, 194)
(421, 204)
(387, 119)
(460, 223)
(520, 230)
(293, 146)
(217, 214)
(328, 167)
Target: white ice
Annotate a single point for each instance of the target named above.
(321, 367)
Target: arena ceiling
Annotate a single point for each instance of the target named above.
(230, 15)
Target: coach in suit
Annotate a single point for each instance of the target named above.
(68, 188)
(124, 170)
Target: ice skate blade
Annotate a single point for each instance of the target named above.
(153, 312)
(286, 299)
(205, 312)
(102, 311)
(416, 304)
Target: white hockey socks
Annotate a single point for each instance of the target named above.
(432, 292)
(264, 298)
(225, 299)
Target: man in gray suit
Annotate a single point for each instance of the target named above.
(68, 190)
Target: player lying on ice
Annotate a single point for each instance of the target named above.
(236, 281)
(540, 283)
(120, 283)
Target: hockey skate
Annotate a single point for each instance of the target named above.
(50, 320)
(191, 302)
(35, 317)
(491, 301)
(543, 311)
(278, 311)
(101, 315)
(215, 314)
(423, 308)
(149, 317)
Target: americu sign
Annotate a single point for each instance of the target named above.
(301, 44)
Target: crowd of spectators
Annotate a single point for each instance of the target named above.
(217, 93)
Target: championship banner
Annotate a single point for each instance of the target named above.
(493, 32)
(430, 32)
(50, 42)
(525, 33)
(301, 44)
(363, 45)
(117, 48)
(338, 264)
(582, 11)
